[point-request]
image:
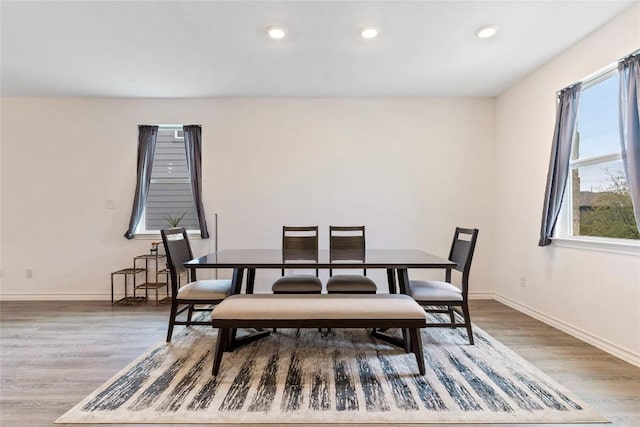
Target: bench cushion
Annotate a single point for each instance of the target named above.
(312, 306)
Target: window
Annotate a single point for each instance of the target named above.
(170, 201)
(597, 201)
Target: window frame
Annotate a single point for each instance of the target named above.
(141, 231)
(563, 233)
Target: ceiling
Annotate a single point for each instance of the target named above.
(219, 48)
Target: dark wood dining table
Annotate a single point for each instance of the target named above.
(396, 262)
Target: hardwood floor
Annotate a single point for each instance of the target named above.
(53, 354)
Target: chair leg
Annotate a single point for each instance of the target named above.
(172, 319)
(467, 321)
(190, 314)
(452, 316)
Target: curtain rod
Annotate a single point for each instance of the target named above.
(601, 72)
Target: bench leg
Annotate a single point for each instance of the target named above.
(235, 342)
(223, 335)
(416, 345)
(232, 339)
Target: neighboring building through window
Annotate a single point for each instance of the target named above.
(170, 201)
(597, 201)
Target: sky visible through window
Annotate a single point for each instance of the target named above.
(599, 132)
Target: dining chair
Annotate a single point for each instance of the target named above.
(348, 243)
(443, 296)
(195, 293)
(299, 243)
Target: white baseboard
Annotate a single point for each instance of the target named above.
(481, 295)
(613, 349)
(72, 296)
(58, 296)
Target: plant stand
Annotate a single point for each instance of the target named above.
(127, 273)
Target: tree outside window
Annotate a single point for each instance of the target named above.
(597, 196)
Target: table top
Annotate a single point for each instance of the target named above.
(275, 258)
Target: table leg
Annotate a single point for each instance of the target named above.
(236, 281)
(236, 286)
(246, 339)
(405, 338)
(251, 278)
(391, 279)
(396, 341)
(403, 280)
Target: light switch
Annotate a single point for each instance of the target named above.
(109, 204)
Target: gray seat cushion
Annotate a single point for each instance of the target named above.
(297, 283)
(431, 290)
(205, 290)
(351, 283)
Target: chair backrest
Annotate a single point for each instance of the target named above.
(178, 251)
(300, 243)
(462, 249)
(300, 238)
(346, 243)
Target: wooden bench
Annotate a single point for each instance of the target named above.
(318, 311)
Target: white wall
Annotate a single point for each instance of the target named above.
(593, 295)
(409, 169)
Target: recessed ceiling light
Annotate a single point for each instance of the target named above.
(276, 32)
(369, 32)
(486, 31)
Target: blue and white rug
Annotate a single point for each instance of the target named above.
(299, 376)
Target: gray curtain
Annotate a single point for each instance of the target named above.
(193, 145)
(629, 69)
(566, 120)
(147, 136)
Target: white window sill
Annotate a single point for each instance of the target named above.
(155, 235)
(618, 246)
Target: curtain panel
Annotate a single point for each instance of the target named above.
(193, 145)
(147, 137)
(629, 112)
(565, 127)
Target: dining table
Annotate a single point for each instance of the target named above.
(396, 262)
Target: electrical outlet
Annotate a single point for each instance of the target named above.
(523, 281)
(109, 204)
(29, 273)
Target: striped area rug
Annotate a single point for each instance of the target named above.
(300, 376)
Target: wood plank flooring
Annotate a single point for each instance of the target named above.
(53, 354)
